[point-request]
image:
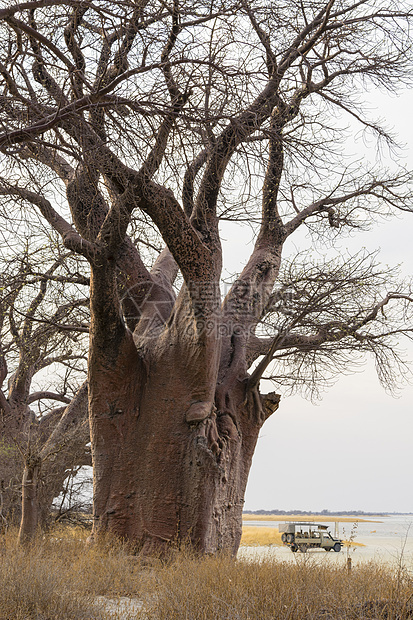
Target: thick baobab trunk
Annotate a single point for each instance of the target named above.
(168, 466)
(173, 429)
(30, 504)
(160, 478)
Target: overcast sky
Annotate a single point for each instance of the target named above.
(353, 450)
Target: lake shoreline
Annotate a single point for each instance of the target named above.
(313, 518)
(387, 540)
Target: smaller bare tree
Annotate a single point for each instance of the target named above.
(43, 323)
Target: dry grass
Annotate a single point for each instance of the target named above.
(256, 535)
(37, 583)
(58, 578)
(219, 589)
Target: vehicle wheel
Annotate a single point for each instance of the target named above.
(328, 549)
(303, 548)
(284, 537)
(294, 548)
(337, 547)
(290, 538)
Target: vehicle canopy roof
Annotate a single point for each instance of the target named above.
(290, 527)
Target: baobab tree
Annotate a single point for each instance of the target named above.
(162, 120)
(43, 426)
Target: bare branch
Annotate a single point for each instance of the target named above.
(47, 395)
(71, 238)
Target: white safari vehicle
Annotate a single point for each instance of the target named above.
(303, 536)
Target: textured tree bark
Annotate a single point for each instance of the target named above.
(173, 421)
(30, 505)
(172, 436)
(161, 474)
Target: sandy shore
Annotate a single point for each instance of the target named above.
(388, 550)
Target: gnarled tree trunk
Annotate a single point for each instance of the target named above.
(70, 433)
(167, 468)
(172, 428)
(30, 507)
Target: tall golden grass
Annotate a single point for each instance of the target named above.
(59, 578)
(260, 535)
(220, 589)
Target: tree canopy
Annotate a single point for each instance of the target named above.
(136, 128)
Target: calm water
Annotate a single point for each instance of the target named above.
(387, 539)
(399, 527)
